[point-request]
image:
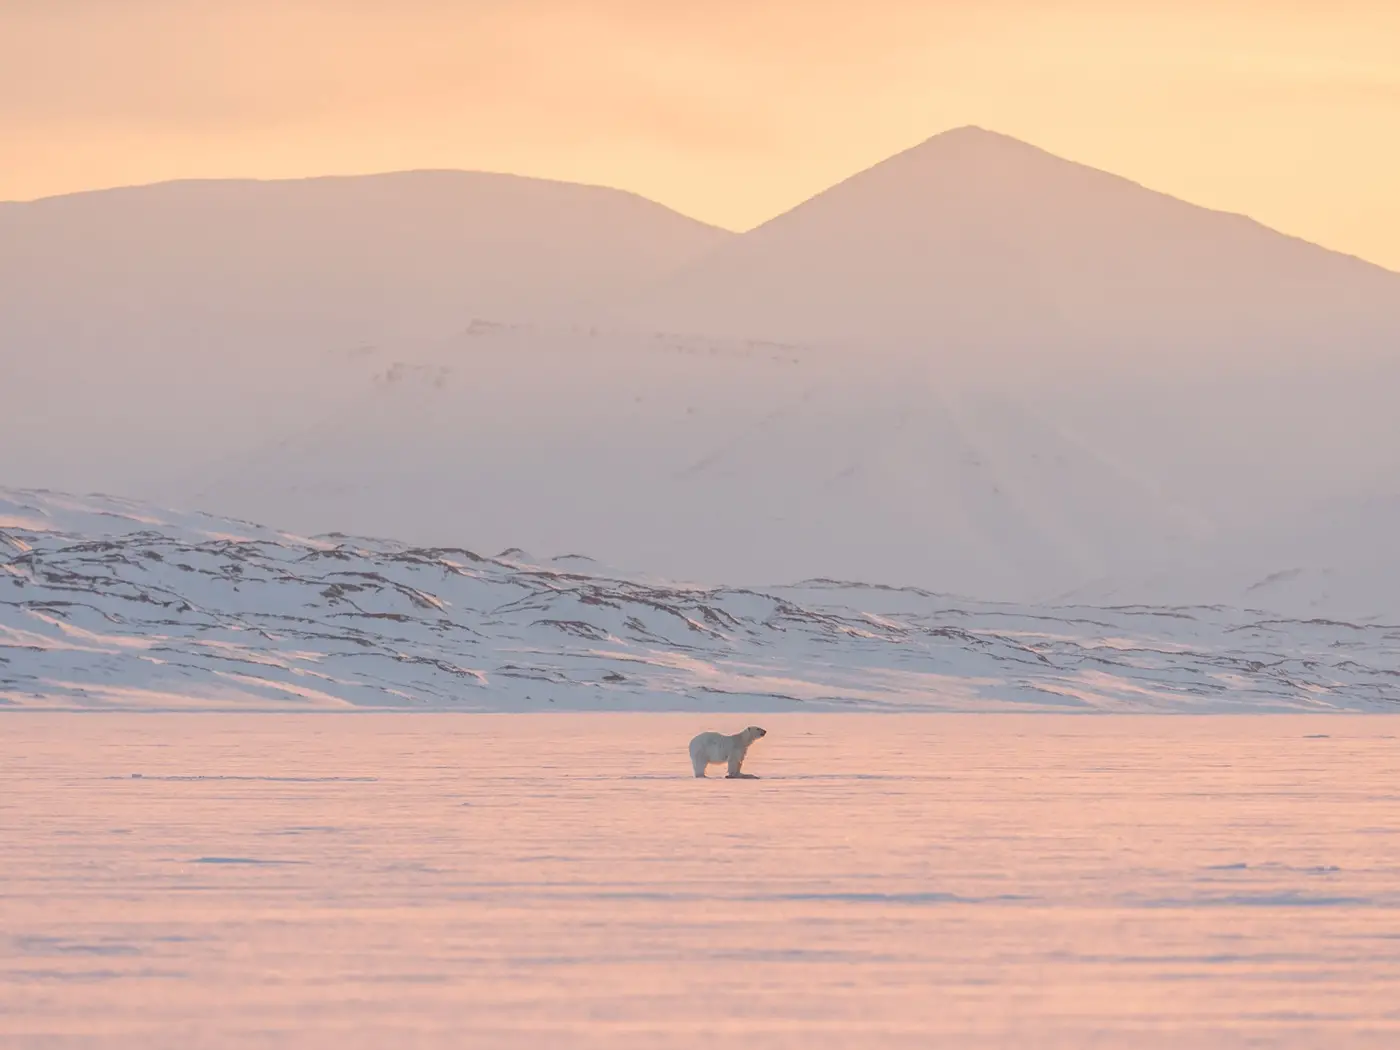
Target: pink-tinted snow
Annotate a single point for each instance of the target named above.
(540, 881)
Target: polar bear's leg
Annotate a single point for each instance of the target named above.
(736, 762)
(697, 761)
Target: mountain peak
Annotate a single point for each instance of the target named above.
(974, 152)
(971, 133)
(974, 239)
(973, 137)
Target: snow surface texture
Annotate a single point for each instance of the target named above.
(110, 604)
(508, 882)
(974, 368)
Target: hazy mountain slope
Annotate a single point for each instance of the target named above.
(761, 464)
(1338, 559)
(708, 460)
(109, 604)
(975, 242)
(171, 321)
(328, 262)
(1186, 387)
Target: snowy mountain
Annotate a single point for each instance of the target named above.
(1337, 560)
(160, 327)
(129, 317)
(111, 604)
(703, 459)
(760, 464)
(974, 244)
(1000, 374)
(211, 266)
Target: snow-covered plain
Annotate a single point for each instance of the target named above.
(503, 882)
(110, 604)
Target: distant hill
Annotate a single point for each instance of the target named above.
(974, 242)
(165, 324)
(325, 262)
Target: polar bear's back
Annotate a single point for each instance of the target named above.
(713, 747)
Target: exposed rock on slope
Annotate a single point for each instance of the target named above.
(110, 604)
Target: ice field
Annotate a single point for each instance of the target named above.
(375, 880)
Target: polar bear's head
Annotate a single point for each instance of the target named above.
(753, 733)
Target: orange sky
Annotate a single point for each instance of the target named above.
(729, 110)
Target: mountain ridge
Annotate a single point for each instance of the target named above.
(977, 238)
(479, 174)
(964, 130)
(976, 131)
(327, 259)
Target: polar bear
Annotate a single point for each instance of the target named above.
(712, 749)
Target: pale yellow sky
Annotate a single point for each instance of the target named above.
(728, 110)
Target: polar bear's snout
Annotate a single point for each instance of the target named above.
(713, 749)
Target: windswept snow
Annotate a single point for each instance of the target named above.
(105, 603)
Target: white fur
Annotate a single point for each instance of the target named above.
(715, 749)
